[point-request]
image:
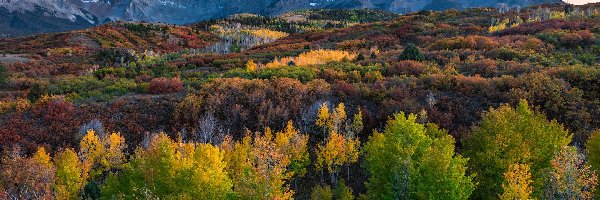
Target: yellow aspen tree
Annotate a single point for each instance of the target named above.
(167, 169)
(91, 152)
(315, 57)
(45, 172)
(324, 119)
(270, 34)
(331, 155)
(114, 156)
(357, 123)
(270, 167)
(42, 158)
(352, 142)
(351, 151)
(323, 116)
(517, 183)
(338, 148)
(338, 118)
(291, 142)
(251, 66)
(262, 164)
(209, 172)
(237, 155)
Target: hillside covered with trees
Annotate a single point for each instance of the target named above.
(314, 104)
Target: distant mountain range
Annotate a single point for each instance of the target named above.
(24, 17)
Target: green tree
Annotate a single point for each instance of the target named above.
(70, 175)
(506, 136)
(412, 52)
(321, 193)
(340, 192)
(413, 161)
(171, 170)
(593, 153)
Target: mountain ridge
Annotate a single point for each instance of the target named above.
(54, 15)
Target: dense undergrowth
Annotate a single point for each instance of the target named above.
(502, 104)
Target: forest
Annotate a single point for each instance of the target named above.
(481, 103)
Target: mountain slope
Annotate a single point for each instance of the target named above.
(34, 16)
(37, 21)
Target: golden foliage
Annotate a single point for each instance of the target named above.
(338, 149)
(323, 118)
(331, 121)
(42, 157)
(517, 182)
(251, 66)
(501, 25)
(17, 105)
(314, 57)
(331, 154)
(101, 154)
(338, 117)
(262, 164)
(91, 150)
(114, 156)
(174, 170)
(266, 33)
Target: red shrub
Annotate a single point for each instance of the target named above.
(408, 67)
(578, 38)
(539, 26)
(50, 121)
(165, 85)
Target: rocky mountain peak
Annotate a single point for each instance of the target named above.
(93, 12)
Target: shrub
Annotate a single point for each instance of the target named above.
(412, 52)
(409, 67)
(3, 75)
(115, 72)
(120, 87)
(165, 85)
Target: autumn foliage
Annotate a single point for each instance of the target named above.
(480, 103)
(312, 58)
(165, 85)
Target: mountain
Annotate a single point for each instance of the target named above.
(23, 17)
(35, 16)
